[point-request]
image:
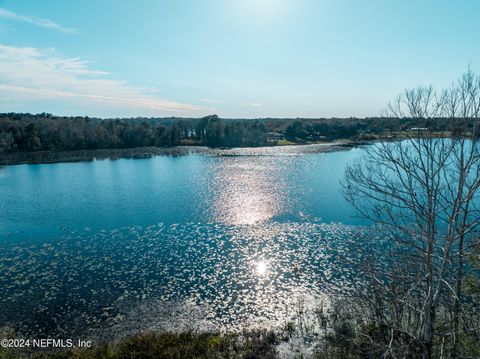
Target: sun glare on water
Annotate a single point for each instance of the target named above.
(261, 268)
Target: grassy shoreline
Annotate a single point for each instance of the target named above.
(260, 344)
(40, 157)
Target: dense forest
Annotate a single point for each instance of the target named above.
(45, 132)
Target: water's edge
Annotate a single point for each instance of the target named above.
(43, 157)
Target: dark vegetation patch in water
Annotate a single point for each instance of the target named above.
(112, 284)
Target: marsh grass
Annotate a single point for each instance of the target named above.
(253, 344)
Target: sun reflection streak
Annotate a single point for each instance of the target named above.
(246, 193)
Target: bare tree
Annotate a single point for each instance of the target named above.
(423, 192)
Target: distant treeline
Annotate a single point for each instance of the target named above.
(45, 132)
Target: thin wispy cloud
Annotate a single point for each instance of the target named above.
(29, 74)
(38, 21)
(210, 100)
(255, 104)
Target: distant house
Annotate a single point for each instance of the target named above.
(275, 136)
(418, 129)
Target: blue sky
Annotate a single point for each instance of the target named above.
(235, 58)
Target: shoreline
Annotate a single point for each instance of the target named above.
(88, 155)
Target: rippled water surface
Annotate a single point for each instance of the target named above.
(213, 241)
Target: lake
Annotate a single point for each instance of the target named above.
(221, 240)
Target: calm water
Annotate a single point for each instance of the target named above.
(231, 238)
